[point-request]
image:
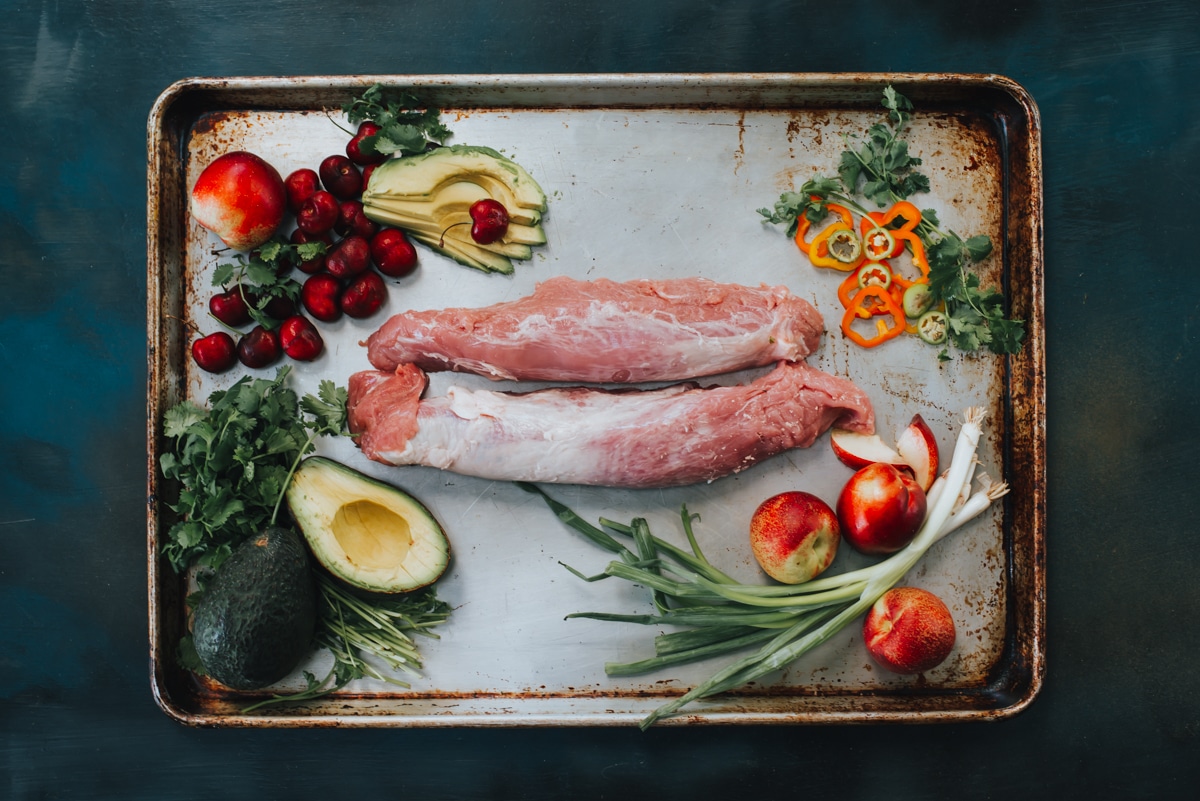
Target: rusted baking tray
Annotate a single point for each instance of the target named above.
(647, 176)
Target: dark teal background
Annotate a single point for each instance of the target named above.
(1118, 86)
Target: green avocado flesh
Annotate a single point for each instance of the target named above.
(368, 534)
(257, 616)
(430, 196)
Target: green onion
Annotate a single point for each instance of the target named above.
(785, 622)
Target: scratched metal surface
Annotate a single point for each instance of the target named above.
(648, 176)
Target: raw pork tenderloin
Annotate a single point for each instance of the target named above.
(678, 435)
(606, 331)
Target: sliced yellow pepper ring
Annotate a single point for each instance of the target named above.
(838, 246)
(804, 224)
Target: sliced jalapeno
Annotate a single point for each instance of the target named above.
(874, 274)
(845, 246)
(933, 327)
(917, 300)
(879, 243)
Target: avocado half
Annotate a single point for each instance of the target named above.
(368, 534)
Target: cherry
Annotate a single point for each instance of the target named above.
(393, 253)
(490, 221)
(364, 295)
(350, 257)
(259, 347)
(354, 148)
(321, 295)
(300, 186)
(366, 175)
(302, 237)
(353, 220)
(300, 339)
(230, 308)
(341, 177)
(215, 353)
(318, 214)
(280, 307)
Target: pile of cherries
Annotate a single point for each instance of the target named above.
(346, 279)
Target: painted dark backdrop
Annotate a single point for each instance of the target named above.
(1116, 85)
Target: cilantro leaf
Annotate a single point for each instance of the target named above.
(405, 128)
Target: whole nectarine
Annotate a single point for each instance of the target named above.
(240, 198)
(909, 630)
(794, 536)
(881, 508)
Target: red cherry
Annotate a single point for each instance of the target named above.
(366, 175)
(280, 307)
(350, 257)
(318, 214)
(321, 296)
(259, 347)
(490, 221)
(341, 177)
(364, 295)
(230, 308)
(393, 253)
(215, 353)
(354, 148)
(302, 237)
(301, 185)
(353, 220)
(300, 339)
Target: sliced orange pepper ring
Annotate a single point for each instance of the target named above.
(804, 224)
(906, 211)
(859, 304)
(918, 254)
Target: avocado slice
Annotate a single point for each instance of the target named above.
(257, 616)
(368, 534)
(455, 197)
(423, 175)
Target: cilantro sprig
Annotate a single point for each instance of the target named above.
(882, 171)
(263, 275)
(405, 128)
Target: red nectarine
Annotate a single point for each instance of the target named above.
(794, 536)
(918, 448)
(909, 630)
(240, 198)
(881, 508)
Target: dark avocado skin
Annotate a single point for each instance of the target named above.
(257, 617)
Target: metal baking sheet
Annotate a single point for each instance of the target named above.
(647, 176)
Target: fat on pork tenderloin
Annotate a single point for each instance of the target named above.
(678, 435)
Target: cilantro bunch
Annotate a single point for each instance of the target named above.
(234, 459)
(405, 129)
(881, 170)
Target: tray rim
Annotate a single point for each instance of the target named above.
(710, 90)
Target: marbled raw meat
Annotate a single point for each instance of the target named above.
(677, 435)
(606, 331)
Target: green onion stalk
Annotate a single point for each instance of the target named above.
(721, 615)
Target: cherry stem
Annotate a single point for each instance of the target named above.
(442, 240)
